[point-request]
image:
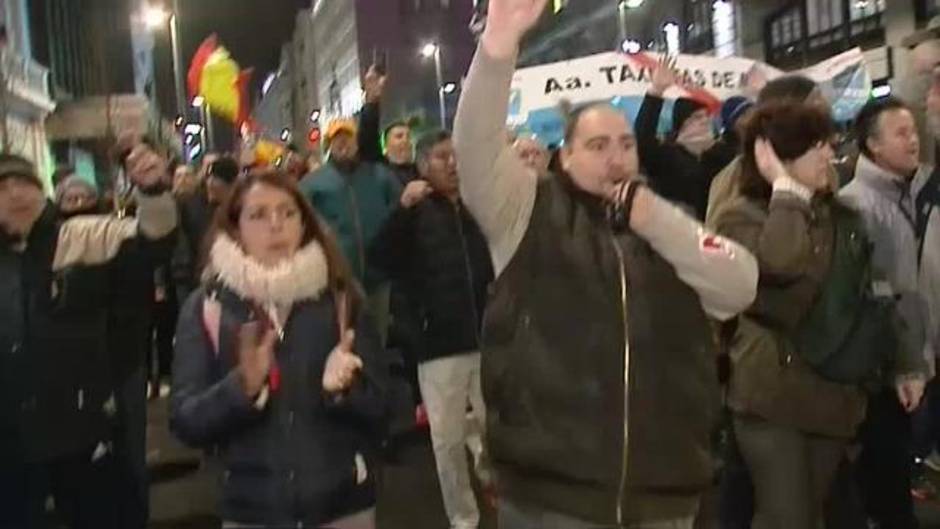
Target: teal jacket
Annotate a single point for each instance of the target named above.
(356, 207)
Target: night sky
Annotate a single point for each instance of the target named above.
(252, 30)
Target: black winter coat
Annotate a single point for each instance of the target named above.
(57, 301)
(302, 458)
(675, 173)
(436, 251)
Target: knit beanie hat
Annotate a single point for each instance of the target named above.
(74, 181)
(732, 109)
(225, 169)
(682, 110)
(12, 166)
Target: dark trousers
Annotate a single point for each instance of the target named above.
(735, 489)
(82, 489)
(926, 422)
(884, 468)
(165, 315)
(130, 451)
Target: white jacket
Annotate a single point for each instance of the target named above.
(878, 195)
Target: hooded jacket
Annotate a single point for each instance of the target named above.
(886, 202)
(356, 206)
(674, 172)
(297, 457)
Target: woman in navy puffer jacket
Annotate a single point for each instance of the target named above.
(268, 370)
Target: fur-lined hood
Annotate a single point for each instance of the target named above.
(304, 276)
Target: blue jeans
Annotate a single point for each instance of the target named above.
(517, 516)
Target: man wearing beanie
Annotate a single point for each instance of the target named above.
(680, 168)
(58, 281)
(355, 197)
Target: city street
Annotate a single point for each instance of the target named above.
(182, 490)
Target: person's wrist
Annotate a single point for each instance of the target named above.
(657, 91)
(251, 385)
(500, 45)
(636, 204)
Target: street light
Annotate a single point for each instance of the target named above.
(433, 50)
(155, 17)
(631, 46)
(449, 88)
(429, 50)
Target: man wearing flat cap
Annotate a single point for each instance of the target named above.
(59, 282)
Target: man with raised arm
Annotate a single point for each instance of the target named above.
(597, 358)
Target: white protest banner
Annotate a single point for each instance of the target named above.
(623, 79)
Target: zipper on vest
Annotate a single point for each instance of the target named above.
(357, 222)
(626, 379)
(470, 282)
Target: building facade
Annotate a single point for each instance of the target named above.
(335, 42)
(788, 34)
(25, 99)
(101, 75)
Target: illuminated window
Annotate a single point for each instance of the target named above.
(671, 34)
(724, 29)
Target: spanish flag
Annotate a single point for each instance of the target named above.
(215, 76)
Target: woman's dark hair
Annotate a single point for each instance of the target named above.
(314, 228)
(789, 87)
(792, 128)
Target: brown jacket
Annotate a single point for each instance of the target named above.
(793, 241)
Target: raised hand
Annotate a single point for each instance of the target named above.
(664, 76)
(506, 22)
(255, 356)
(414, 193)
(768, 163)
(342, 365)
(373, 84)
(755, 81)
(145, 167)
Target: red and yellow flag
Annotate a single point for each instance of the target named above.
(215, 76)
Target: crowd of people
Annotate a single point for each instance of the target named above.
(606, 334)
